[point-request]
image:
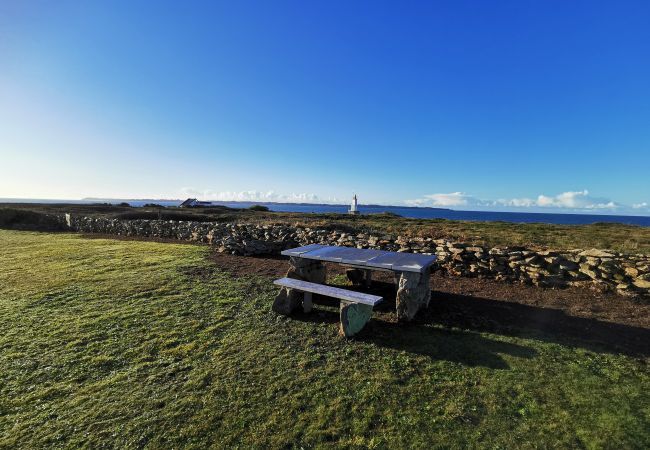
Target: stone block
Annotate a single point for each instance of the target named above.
(287, 301)
(353, 317)
(594, 252)
(413, 293)
(642, 284)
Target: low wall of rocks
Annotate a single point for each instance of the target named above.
(628, 274)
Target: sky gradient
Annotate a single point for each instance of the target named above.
(519, 106)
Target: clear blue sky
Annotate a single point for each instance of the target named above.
(515, 105)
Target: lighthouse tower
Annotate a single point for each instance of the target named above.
(353, 207)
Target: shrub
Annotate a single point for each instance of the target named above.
(19, 219)
(385, 214)
(163, 215)
(259, 208)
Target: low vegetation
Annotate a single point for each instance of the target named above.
(28, 219)
(134, 343)
(618, 237)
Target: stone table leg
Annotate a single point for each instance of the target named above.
(355, 276)
(287, 299)
(396, 277)
(359, 277)
(413, 293)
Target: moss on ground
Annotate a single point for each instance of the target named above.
(110, 343)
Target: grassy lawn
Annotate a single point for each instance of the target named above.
(141, 344)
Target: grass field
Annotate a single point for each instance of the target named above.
(111, 343)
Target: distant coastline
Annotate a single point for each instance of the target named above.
(410, 212)
(247, 202)
(216, 202)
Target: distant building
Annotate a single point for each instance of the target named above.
(194, 203)
(353, 207)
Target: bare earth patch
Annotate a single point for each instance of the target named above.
(620, 324)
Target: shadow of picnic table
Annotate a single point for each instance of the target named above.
(465, 347)
(453, 328)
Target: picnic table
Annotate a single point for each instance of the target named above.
(412, 273)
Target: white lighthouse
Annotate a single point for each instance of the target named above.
(353, 206)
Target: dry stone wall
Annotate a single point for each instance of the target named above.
(628, 274)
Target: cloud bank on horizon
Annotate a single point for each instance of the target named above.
(259, 196)
(569, 201)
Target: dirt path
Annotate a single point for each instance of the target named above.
(604, 320)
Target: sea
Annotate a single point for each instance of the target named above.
(404, 211)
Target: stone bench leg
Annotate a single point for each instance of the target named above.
(287, 299)
(354, 317)
(413, 293)
(307, 304)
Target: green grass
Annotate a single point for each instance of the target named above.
(614, 236)
(139, 344)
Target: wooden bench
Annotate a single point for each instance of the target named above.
(355, 309)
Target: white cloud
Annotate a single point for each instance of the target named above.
(640, 205)
(577, 200)
(516, 202)
(256, 196)
(451, 199)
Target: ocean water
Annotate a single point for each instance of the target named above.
(434, 213)
(410, 212)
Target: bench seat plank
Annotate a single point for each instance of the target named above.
(329, 291)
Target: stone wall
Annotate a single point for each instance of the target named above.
(625, 273)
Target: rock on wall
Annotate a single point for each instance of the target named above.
(627, 274)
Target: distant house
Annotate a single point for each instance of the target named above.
(194, 203)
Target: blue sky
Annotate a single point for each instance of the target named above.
(521, 105)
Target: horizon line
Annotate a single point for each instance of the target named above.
(558, 211)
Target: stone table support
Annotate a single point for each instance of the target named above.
(287, 299)
(413, 293)
(359, 277)
(368, 278)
